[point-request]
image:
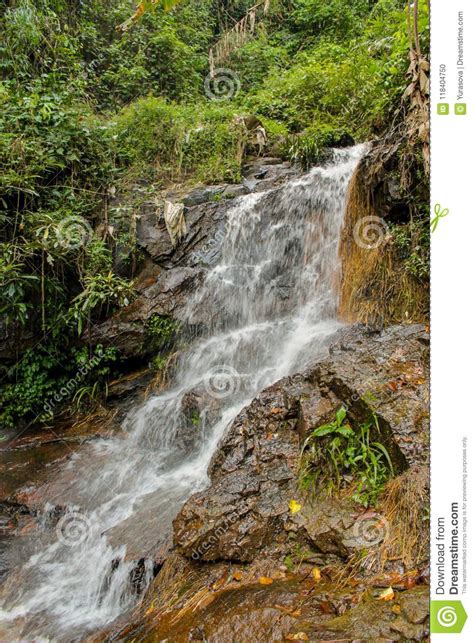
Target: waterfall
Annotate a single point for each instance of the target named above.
(271, 302)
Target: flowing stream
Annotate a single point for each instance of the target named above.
(271, 301)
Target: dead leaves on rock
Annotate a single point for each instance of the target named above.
(265, 580)
(294, 507)
(299, 636)
(223, 580)
(387, 595)
(290, 611)
(316, 574)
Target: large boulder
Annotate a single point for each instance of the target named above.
(254, 474)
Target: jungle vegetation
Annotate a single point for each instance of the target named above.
(86, 107)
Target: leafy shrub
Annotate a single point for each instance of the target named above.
(161, 332)
(47, 379)
(181, 140)
(412, 241)
(309, 147)
(338, 455)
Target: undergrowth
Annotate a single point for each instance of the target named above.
(338, 456)
(86, 112)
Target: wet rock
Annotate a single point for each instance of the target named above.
(405, 618)
(163, 293)
(387, 371)
(152, 234)
(170, 275)
(32, 464)
(204, 602)
(233, 191)
(266, 173)
(254, 473)
(198, 196)
(130, 385)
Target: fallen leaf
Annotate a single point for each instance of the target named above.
(294, 507)
(316, 574)
(264, 580)
(289, 610)
(237, 575)
(387, 595)
(410, 582)
(299, 636)
(150, 609)
(396, 609)
(326, 607)
(276, 410)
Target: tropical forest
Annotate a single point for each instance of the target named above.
(214, 305)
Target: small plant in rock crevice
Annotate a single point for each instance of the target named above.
(337, 456)
(161, 331)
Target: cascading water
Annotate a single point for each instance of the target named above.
(271, 301)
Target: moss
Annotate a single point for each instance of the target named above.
(387, 283)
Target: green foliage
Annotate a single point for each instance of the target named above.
(101, 291)
(161, 331)
(349, 81)
(182, 140)
(336, 455)
(159, 362)
(47, 379)
(164, 53)
(335, 17)
(310, 146)
(85, 108)
(15, 287)
(412, 241)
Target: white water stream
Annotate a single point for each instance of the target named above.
(272, 305)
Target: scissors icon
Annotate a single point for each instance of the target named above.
(439, 214)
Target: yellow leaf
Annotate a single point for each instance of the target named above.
(264, 580)
(150, 609)
(295, 613)
(299, 636)
(387, 595)
(316, 573)
(237, 575)
(294, 507)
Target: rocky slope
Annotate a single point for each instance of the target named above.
(258, 556)
(246, 566)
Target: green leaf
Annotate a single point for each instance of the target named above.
(381, 448)
(345, 430)
(325, 429)
(341, 415)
